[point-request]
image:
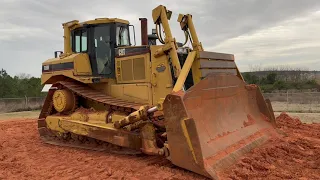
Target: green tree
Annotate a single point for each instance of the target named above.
(250, 78)
(280, 85)
(271, 78)
(19, 86)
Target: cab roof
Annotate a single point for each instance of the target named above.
(75, 23)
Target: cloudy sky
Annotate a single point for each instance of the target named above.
(259, 32)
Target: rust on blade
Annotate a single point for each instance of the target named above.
(210, 126)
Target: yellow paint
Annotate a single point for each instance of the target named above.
(53, 122)
(147, 85)
(97, 117)
(59, 100)
(161, 15)
(67, 36)
(79, 116)
(184, 72)
(196, 73)
(63, 100)
(196, 43)
(82, 69)
(76, 127)
(161, 78)
(68, 123)
(187, 136)
(140, 93)
(82, 65)
(144, 78)
(130, 69)
(116, 116)
(99, 21)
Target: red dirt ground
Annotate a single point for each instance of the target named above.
(24, 156)
(295, 156)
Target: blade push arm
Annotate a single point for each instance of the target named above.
(187, 25)
(162, 16)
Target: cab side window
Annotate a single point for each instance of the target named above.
(122, 36)
(80, 43)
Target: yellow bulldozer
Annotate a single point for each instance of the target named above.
(188, 105)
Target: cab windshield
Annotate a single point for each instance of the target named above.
(102, 44)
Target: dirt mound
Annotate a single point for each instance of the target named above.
(295, 156)
(24, 156)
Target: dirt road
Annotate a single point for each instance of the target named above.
(24, 156)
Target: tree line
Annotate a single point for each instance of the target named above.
(24, 85)
(19, 86)
(276, 81)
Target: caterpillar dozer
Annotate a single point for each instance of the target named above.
(188, 105)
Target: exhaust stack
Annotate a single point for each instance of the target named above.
(144, 31)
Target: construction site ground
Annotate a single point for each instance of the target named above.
(24, 156)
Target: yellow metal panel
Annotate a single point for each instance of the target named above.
(133, 69)
(60, 60)
(103, 87)
(82, 65)
(70, 58)
(52, 77)
(140, 93)
(117, 90)
(81, 72)
(126, 70)
(139, 67)
(161, 76)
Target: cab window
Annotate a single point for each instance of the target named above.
(122, 36)
(102, 45)
(80, 43)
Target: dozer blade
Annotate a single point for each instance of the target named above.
(210, 126)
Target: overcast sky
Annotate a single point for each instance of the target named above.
(259, 32)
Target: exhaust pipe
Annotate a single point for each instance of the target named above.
(144, 31)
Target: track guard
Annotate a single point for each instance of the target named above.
(210, 126)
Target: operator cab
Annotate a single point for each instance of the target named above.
(99, 41)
